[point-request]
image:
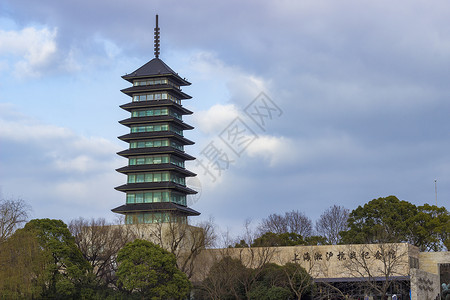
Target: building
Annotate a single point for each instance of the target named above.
(156, 188)
(361, 271)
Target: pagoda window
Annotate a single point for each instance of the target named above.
(177, 162)
(140, 218)
(129, 219)
(149, 197)
(149, 160)
(150, 82)
(148, 218)
(152, 128)
(154, 177)
(140, 198)
(149, 144)
(157, 177)
(157, 217)
(178, 198)
(140, 178)
(176, 145)
(155, 96)
(176, 129)
(131, 198)
(176, 115)
(174, 85)
(178, 179)
(150, 112)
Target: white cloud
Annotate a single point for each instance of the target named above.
(55, 169)
(241, 87)
(215, 119)
(31, 49)
(278, 151)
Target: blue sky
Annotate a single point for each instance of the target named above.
(361, 89)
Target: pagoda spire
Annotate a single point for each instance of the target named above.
(157, 38)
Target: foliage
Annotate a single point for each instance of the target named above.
(389, 220)
(382, 220)
(290, 281)
(65, 269)
(242, 244)
(227, 279)
(224, 280)
(150, 271)
(21, 261)
(431, 228)
(264, 292)
(41, 261)
(13, 213)
(331, 222)
(270, 239)
(299, 281)
(315, 240)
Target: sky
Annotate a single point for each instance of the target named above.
(298, 105)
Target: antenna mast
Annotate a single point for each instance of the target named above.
(435, 189)
(157, 38)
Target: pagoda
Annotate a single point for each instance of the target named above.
(156, 188)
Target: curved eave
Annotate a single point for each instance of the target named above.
(153, 119)
(154, 104)
(155, 207)
(174, 78)
(155, 150)
(155, 135)
(130, 187)
(154, 168)
(156, 88)
(153, 69)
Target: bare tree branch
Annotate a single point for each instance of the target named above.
(13, 213)
(331, 222)
(99, 243)
(293, 221)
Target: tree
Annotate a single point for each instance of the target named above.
(315, 240)
(65, 270)
(430, 230)
(227, 279)
(331, 222)
(389, 220)
(13, 213)
(292, 222)
(379, 265)
(382, 220)
(99, 242)
(150, 271)
(43, 255)
(184, 241)
(21, 262)
(224, 280)
(271, 284)
(298, 279)
(270, 239)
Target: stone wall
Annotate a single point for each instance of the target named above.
(424, 285)
(428, 261)
(327, 261)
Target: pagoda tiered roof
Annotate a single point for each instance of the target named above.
(156, 206)
(154, 68)
(159, 103)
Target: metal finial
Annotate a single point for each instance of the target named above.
(156, 38)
